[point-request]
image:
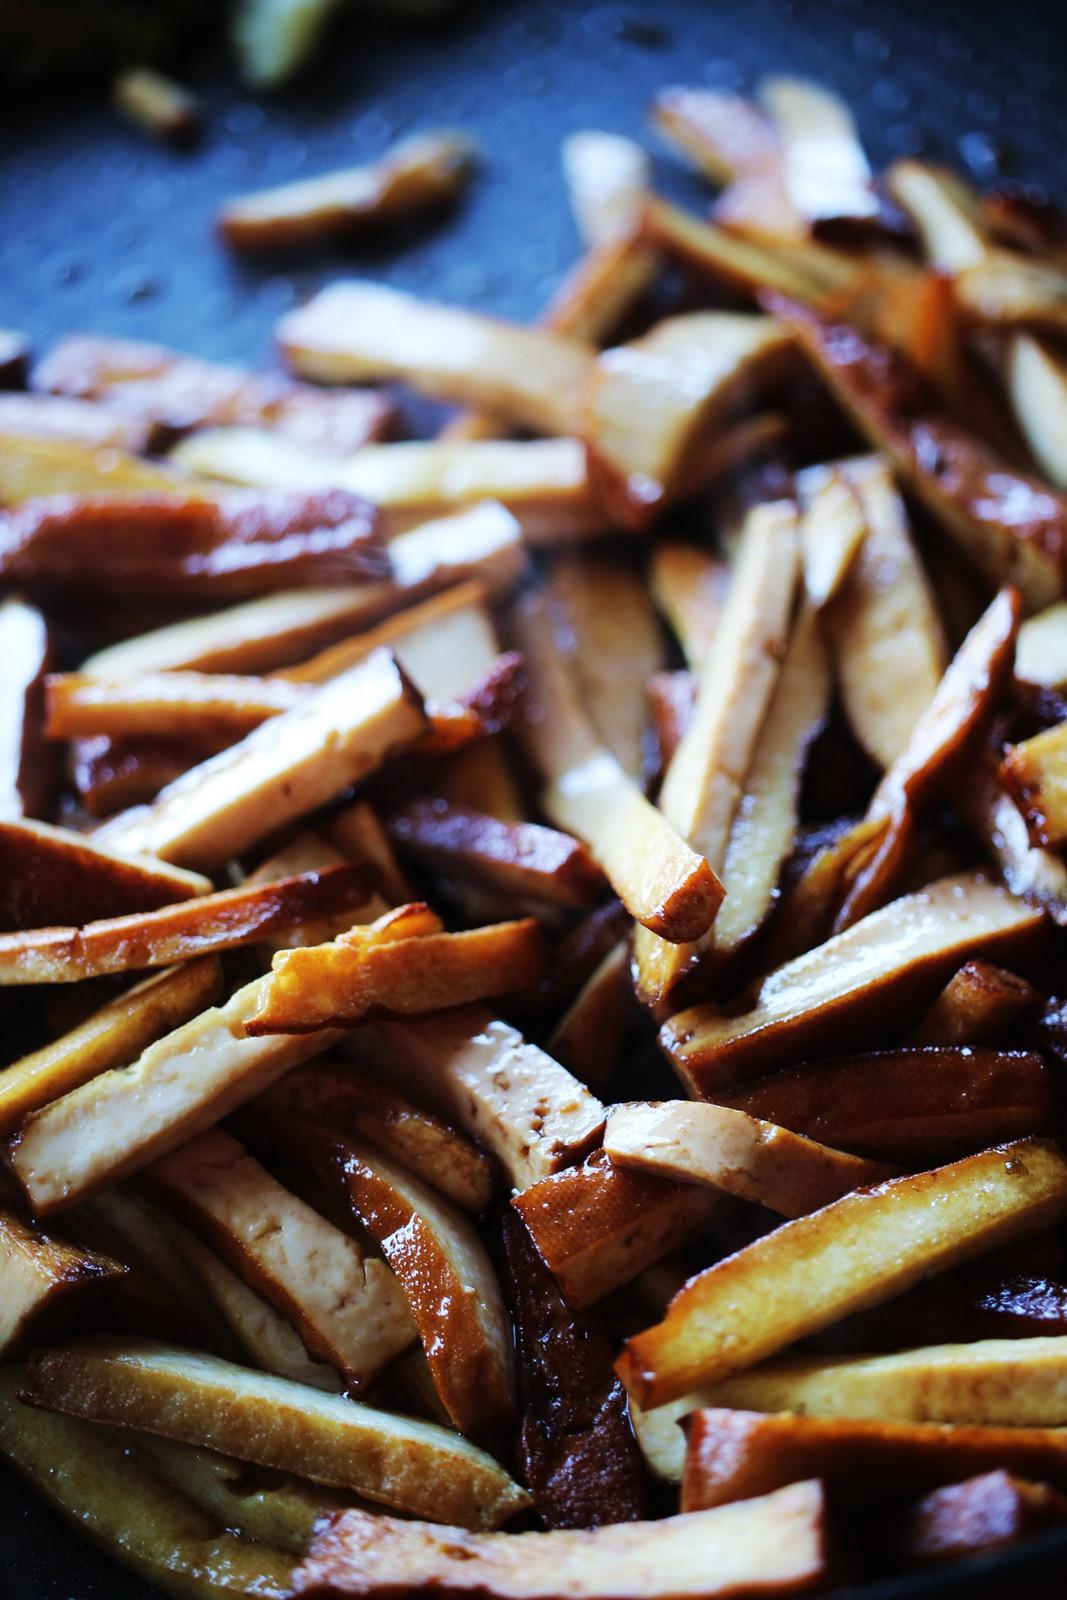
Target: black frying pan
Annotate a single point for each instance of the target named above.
(102, 230)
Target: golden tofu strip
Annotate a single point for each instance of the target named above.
(706, 777)
(401, 1462)
(1035, 774)
(30, 467)
(854, 1253)
(832, 530)
(663, 883)
(348, 1308)
(690, 585)
(287, 767)
(946, 211)
(357, 331)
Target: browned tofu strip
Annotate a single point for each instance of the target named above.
(206, 925)
(1032, 871)
(690, 585)
(773, 1545)
(49, 1285)
(810, 273)
(25, 764)
(418, 174)
(733, 1455)
(724, 135)
(891, 959)
(827, 175)
(177, 392)
(348, 1308)
(1035, 775)
(357, 331)
(49, 873)
(982, 1513)
(33, 467)
(863, 1248)
(975, 1006)
(110, 1037)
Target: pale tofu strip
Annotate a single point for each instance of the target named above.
(402, 1462)
(349, 1309)
(854, 1253)
(742, 1155)
(1037, 387)
(661, 881)
(946, 211)
(764, 824)
(616, 646)
(481, 1074)
(484, 542)
(606, 176)
(355, 332)
(827, 175)
(706, 777)
(543, 483)
(283, 769)
(690, 586)
(832, 529)
(179, 1087)
(885, 635)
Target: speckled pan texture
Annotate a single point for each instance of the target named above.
(103, 230)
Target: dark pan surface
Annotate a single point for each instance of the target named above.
(102, 230)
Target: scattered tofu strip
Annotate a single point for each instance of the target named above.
(590, 1035)
(55, 416)
(410, 1465)
(348, 1308)
(597, 1226)
(706, 777)
(185, 705)
(873, 970)
(173, 392)
(32, 467)
(357, 331)
(287, 767)
(1014, 1383)
(832, 530)
(730, 1150)
(888, 644)
(861, 1249)
(90, 1479)
(651, 409)
(690, 585)
(1035, 774)
(975, 1006)
(1037, 385)
(262, 635)
(1031, 871)
(111, 1037)
(1012, 291)
(26, 770)
(203, 926)
(39, 1273)
(946, 211)
(372, 970)
(179, 1087)
(544, 483)
(663, 883)
(420, 173)
(155, 102)
(773, 1545)
(606, 176)
(735, 1455)
(827, 175)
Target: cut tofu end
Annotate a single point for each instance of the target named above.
(651, 409)
(207, 925)
(32, 467)
(976, 1005)
(1037, 387)
(349, 1309)
(484, 542)
(597, 1226)
(401, 1462)
(1029, 870)
(979, 1514)
(855, 1252)
(519, 1104)
(1012, 1383)
(773, 1545)
(179, 1087)
(606, 175)
(111, 1037)
(46, 1282)
(1035, 775)
(289, 766)
(892, 958)
(50, 874)
(443, 1266)
(89, 1478)
(663, 883)
(705, 780)
(26, 772)
(353, 332)
(734, 1455)
(616, 645)
(1041, 650)
(886, 638)
(729, 1150)
(946, 211)
(425, 171)
(827, 175)
(543, 483)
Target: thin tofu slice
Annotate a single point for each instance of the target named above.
(1035, 774)
(410, 1465)
(855, 1252)
(287, 767)
(946, 211)
(606, 176)
(356, 331)
(47, 1282)
(349, 1309)
(773, 1545)
(26, 776)
(1037, 385)
(690, 585)
(742, 1155)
